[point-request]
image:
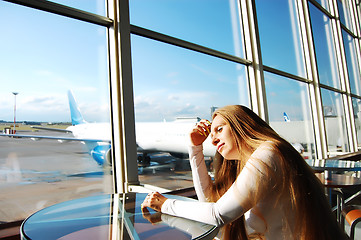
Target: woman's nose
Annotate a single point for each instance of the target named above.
(215, 141)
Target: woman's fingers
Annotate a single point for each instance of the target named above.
(153, 200)
(200, 132)
(204, 127)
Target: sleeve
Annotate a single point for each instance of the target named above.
(238, 199)
(201, 179)
(185, 225)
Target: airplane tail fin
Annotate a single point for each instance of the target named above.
(286, 118)
(76, 116)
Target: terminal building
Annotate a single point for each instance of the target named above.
(295, 63)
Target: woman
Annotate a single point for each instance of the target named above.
(257, 174)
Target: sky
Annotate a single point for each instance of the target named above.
(43, 55)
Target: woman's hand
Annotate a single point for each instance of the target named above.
(153, 200)
(200, 132)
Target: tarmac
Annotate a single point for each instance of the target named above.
(37, 174)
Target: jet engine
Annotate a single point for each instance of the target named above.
(102, 155)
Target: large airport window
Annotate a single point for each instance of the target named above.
(289, 112)
(46, 62)
(335, 122)
(58, 80)
(280, 37)
(352, 63)
(173, 88)
(328, 72)
(214, 24)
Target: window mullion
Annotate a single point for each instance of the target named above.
(345, 83)
(127, 98)
(253, 53)
(66, 11)
(124, 146)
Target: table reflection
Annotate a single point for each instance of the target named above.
(113, 216)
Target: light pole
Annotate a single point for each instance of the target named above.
(15, 93)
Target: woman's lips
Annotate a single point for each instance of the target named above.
(220, 146)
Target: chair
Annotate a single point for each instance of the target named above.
(352, 214)
(339, 204)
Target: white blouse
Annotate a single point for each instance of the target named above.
(269, 214)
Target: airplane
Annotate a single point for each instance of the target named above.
(169, 137)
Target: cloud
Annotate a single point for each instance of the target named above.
(95, 113)
(168, 106)
(42, 100)
(172, 97)
(142, 102)
(187, 110)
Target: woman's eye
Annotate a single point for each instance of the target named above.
(219, 129)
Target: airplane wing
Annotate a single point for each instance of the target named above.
(37, 137)
(52, 129)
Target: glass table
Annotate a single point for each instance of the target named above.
(332, 175)
(112, 216)
(337, 165)
(334, 165)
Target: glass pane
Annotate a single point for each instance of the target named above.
(345, 15)
(352, 63)
(42, 57)
(325, 48)
(172, 88)
(211, 23)
(335, 123)
(289, 112)
(324, 4)
(93, 6)
(280, 36)
(356, 104)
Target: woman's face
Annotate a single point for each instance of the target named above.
(223, 139)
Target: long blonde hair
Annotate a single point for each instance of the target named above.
(313, 215)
